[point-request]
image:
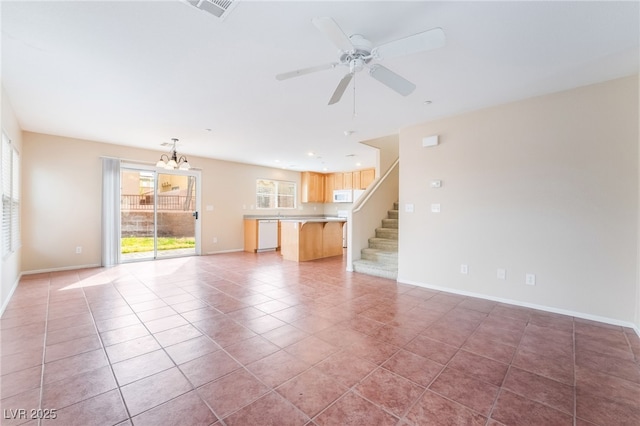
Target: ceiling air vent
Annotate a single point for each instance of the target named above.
(219, 8)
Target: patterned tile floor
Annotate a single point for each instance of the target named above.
(245, 339)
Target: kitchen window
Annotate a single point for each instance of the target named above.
(10, 197)
(275, 194)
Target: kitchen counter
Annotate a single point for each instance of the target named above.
(308, 238)
(314, 219)
(252, 241)
(292, 217)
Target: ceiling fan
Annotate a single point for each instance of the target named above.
(356, 53)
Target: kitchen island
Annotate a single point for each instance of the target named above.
(311, 238)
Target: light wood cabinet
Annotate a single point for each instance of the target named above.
(329, 186)
(367, 176)
(319, 187)
(338, 182)
(251, 235)
(312, 187)
(347, 179)
(357, 180)
(302, 240)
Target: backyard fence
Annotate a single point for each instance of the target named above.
(165, 202)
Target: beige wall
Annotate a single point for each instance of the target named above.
(547, 186)
(10, 266)
(62, 199)
(387, 152)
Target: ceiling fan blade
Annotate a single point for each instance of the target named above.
(342, 86)
(303, 71)
(391, 79)
(334, 33)
(421, 42)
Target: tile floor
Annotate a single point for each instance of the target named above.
(244, 339)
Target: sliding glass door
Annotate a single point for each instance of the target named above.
(176, 215)
(158, 214)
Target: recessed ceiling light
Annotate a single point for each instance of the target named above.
(324, 169)
(208, 130)
(427, 103)
(350, 155)
(349, 132)
(310, 154)
(358, 164)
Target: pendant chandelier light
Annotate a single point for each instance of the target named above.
(173, 162)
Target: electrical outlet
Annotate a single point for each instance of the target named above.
(464, 269)
(79, 250)
(530, 279)
(502, 274)
(435, 208)
(215, 240)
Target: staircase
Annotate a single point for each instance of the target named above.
(381, 257)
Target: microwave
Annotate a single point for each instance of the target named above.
(343, 196)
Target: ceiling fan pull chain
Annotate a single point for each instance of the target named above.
(354, 95)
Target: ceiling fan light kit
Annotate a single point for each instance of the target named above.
(356, 53)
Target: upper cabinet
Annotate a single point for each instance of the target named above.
(367, 176)
(319, 187)
(329, 186)
(313, 187)
(347, 179)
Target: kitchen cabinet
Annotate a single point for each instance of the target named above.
(312, 187)
(329, 186)
(338, 181)
(319, 187)
(357, 180)
(367, 176)
(261, 234)
(309, 239)
(347, 179)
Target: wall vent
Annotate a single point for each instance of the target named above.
(219, 8)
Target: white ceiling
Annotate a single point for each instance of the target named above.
(140, 73)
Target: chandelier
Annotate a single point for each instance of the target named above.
(174, 162)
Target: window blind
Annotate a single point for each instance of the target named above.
(10, 197)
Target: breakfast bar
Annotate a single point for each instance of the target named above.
(311, 238)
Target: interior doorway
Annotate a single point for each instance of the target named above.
(158, 214)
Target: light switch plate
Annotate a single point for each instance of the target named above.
(408, 208)
(502, 274)
(435, 208)
(436, 183)
(530, 279)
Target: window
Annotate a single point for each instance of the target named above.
(274, 194)
(10, 197)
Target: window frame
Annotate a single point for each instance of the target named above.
(277, 194)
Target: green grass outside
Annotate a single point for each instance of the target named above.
(142, 244)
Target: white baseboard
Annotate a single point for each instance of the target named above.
(224, 251)
(63, 268)
(582, 315)
(10, 295)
